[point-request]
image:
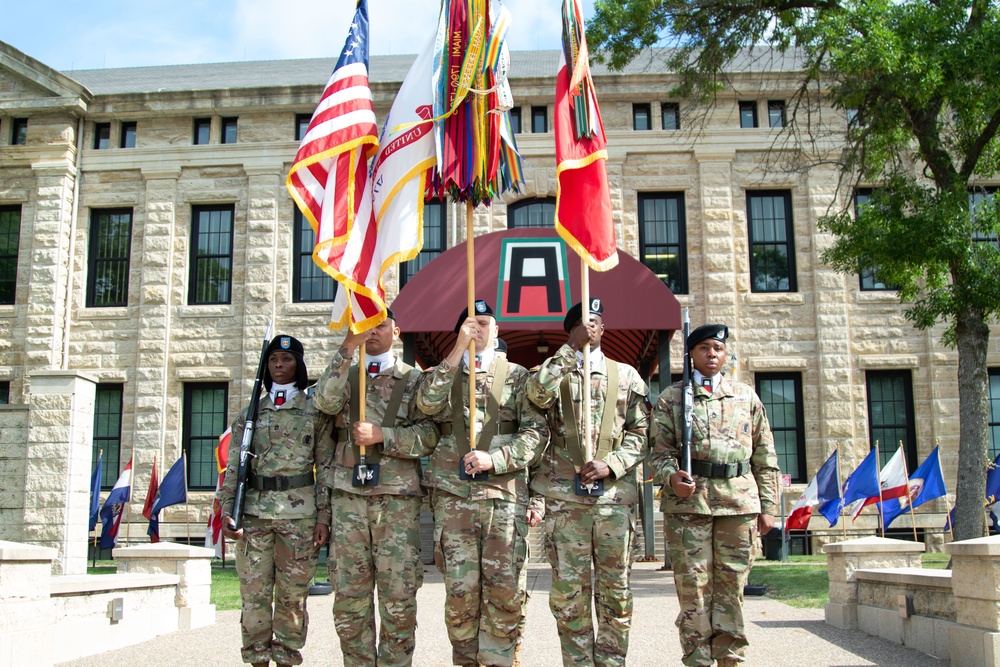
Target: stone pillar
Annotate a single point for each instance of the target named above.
(844, 558)
(25, 605)
(835, 387)
(725, 275)
(49, 252)
(57, 467)
(975, 583)
(192, 564)
(153, 418)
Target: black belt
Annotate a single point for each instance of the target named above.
(281, 483)
(720, 470)
(503, 428)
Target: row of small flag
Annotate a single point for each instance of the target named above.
(889, 489)
(171, 491)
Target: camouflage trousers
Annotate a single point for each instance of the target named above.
(711, 557)
(579, 536)
(378, 546)
(480, 547)
(276, 561)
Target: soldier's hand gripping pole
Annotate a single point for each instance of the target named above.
(239, 499)
(687, 389)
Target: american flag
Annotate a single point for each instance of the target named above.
(329, 176)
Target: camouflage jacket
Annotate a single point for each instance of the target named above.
(287, 442)
(553, 476)
(412, 435)
(512, 453)
(729, 426)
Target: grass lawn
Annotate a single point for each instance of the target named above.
(802, 581)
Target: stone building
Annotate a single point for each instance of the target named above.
(146, 238)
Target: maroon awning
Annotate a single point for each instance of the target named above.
(637, 305)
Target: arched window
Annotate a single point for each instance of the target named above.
(532, 213)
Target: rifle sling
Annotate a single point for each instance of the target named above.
(373, 455)
(573, 441)
(458, 397)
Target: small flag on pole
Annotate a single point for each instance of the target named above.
(95, 492)
(111, 513)
(147, 508)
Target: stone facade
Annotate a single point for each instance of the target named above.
(828, 331)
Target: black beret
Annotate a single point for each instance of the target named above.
(286, 343)
(575, 314)
(500, 345)
(389, 314)
(718, 332)
(482, 308)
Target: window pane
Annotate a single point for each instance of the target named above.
(640, 117)
(110, 239)
(10, 233)
(978, 198)
(781, 394)
(311, 283)
(748, 114)
(301, 125)
(532, 214)
(108, 432)
(229, 130)
(19, 131)
(102, 135)
(128, 135)
(539, 119)
(4, 392)
(890, 415)
(435, 234)
(211, 255)
(515, 120)
(771, 250)
(662, 242)
(202, 130)
(776, 113)
(671, 116)
(205, 421)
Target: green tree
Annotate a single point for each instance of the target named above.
(917, 81)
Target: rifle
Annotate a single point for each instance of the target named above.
(239, 499)
(687, 390)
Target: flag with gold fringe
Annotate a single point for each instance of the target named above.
(583, 197)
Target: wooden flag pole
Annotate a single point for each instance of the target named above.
(470, 256)
(909, 498)
(585, 313)
(840, 485)
(362, 388)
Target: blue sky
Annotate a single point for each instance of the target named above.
(86, 35)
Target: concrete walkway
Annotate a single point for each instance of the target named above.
(780, 635)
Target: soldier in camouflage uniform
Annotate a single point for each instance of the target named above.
(480, 535)
(287, 515)
(586, 530)
(378, 526)
(713, 517)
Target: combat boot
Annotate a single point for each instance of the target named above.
(260, 664)
(517, 656)
(727, 662)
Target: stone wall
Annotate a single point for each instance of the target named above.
(13, 455)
